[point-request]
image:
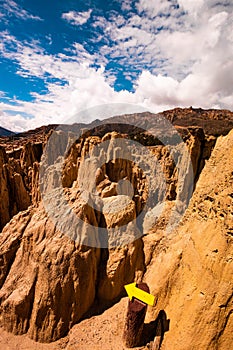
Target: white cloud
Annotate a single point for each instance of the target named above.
(192, 7)
(77, 18)
(49, 39)
(126, 5)
(195, 8)
(11, 8)
(158, 90)
(153, 8)
(2, 94)
(15, 122)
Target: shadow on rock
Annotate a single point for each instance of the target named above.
(153, 332)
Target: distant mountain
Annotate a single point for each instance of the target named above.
(5, 132)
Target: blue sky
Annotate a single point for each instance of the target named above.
(60, 57)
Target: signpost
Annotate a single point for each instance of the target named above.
(139, 298)
(134, 292)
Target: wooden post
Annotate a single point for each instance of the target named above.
(135, 320)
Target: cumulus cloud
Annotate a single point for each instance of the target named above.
(77, 18)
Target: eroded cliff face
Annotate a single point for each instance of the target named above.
(18, 175)
(191, 270)
(49, 281)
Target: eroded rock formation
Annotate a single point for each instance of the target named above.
(191, 270)
(49, 281)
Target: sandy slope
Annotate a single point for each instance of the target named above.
(102, 332)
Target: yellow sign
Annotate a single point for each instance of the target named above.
(134, 292)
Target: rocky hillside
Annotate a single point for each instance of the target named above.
(212, 121)
(49, 281)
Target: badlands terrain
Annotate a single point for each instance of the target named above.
(62, 291)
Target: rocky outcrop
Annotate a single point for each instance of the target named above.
(4, 193)
(49, 280)
(19, 170)
(18, 180)
(190, 271)
(213, 121)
